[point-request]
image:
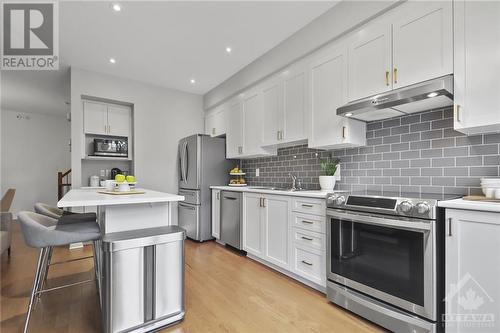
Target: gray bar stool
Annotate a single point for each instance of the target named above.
(62, 217)
(43, 232)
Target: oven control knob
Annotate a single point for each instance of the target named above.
(422, 208)
(330, 200)
(405, 206)
(340, 200)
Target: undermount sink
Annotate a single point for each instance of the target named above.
(270, 188)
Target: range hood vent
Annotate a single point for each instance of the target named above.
(419, 97)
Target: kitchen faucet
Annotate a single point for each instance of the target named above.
(294, 182)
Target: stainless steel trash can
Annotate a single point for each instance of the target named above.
(142, 285)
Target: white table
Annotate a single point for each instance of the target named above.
(124, 212)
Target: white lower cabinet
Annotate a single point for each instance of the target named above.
(276, 218)
(216, 213)
(472, 271)
(309, 263)
(253, 224)
(280, 235)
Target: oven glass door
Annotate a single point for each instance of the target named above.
(384, 258)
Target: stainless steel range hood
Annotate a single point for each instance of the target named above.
(423, 96)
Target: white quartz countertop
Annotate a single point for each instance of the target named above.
(258, 189)
(84, 197)
(471, 205)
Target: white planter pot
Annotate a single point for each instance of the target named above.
(327, 183)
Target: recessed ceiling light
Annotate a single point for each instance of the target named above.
(193, 81)
(432, 94)
(112, 60)
(348, 114)
(228, 49)
(117, 7)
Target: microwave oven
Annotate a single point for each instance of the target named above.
(111, 147)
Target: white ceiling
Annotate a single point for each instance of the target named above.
(165, 43)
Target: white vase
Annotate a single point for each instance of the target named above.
(327, 183)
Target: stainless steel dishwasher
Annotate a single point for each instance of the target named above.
(231, 217)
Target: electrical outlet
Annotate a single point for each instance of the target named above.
(257, 172)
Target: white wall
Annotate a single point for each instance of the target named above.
(161, 117)
(342, 18)
(34, 148)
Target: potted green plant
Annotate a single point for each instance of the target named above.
(329, 167)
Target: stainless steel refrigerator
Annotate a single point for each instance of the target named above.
(202, 163)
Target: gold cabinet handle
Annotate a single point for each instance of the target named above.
(306, 238)
(395, 75)
(457, 113)
(307, 263)
(387, 78)
(308, 222)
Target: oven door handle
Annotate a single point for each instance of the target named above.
(380, 221)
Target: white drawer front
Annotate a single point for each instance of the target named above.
(309, 222)
(309, 239)
(310, 264)
(309, 206)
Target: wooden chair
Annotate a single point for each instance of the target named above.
(5, 221)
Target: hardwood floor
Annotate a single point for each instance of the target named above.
(225, 292)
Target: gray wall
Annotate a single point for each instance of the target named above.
(419, 153)
(34, 148)
(343, 17)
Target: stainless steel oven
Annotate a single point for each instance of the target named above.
(382, 260)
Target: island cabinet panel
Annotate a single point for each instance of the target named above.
(472, 268)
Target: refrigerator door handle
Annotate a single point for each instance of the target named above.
(186, 162)
(183, 170)
(181, 162)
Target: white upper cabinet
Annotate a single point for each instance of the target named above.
(118, 120)
(477, 66)
(328, 91)
(293, 127)
(422, 42)
(272, 106)
(106, 119)
(410, 44)
(252, 120)
(215, 122)
(234, 127)
(370, 61)
(284, 107)
(95, 118)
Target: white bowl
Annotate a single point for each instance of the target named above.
(489, 192)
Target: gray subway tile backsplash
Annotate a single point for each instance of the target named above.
(408, 154)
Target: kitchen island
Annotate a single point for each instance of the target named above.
(140, 258)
